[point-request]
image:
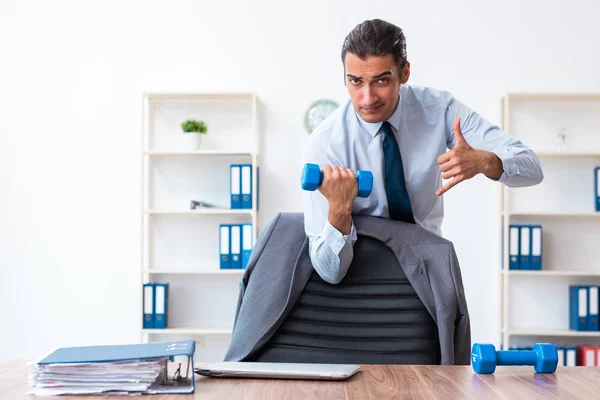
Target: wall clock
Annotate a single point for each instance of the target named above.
(317, 112)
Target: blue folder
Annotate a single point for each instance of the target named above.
(148, 305)
(161, 302)
(597, 188)
(578, 307)
(235, 246)
(113, 353)
(592, 320)
(536, 247)
(525, 247)
(246, 244)
(514, 245)
(224, 246)
(235, 186)
(246, 185)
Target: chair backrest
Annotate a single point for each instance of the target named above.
(373, 316)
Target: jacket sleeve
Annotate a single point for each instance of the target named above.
(258, 248)
(462, 324)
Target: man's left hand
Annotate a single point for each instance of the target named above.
(464, 162)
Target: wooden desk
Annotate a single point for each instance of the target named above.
(373, 382)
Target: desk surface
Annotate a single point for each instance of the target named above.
(373, 382)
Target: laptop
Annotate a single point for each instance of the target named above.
(278, 370)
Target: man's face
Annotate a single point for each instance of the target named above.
(374, 85)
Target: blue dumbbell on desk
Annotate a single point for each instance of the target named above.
(543, 357)
(312, 177)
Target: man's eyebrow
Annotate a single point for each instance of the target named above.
(353, 77)
(386, 73)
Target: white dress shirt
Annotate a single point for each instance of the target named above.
(422, 124)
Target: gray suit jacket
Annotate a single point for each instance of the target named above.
(279, 268)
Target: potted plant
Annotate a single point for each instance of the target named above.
(191, 126)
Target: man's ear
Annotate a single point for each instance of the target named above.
(405, 73)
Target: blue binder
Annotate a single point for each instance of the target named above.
(224, 246)
(116, 353)
(246, 244)
(514, 243)
(592, 321)
(597, 187)
(236, 246)
(148, 301)
(536, 247)
(246, 190)
(525, 247)
(578, 307)
(161, 296)
(235, 186)
(570, 356)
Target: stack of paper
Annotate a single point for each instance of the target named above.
(120, 377)
(123, 369)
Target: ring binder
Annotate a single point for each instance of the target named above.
(134, 369)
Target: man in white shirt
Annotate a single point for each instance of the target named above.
(400, 133)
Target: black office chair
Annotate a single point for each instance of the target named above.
(373, 316)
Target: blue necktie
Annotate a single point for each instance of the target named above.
(395, 186)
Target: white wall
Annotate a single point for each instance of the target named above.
(71, 76)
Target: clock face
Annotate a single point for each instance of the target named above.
(317, 112)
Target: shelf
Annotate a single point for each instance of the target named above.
(190, 331)
(545, 332)
(156, 153)
(566, 155)
(199, 96)
(550, 214)
(551, 273)
(213, 271)
(203, 211)
(554, 96)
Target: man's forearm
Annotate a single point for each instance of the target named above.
(491, 165)
(340, 217)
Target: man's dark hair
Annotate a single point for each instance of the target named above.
(376, 38)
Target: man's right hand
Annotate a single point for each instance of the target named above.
(340, 188)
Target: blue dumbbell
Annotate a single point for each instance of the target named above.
(543, 357)
(312, 177)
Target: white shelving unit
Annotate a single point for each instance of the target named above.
(535, 304)
(180, 244)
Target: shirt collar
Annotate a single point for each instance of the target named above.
(373, 127)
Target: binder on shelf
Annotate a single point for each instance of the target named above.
(236, 253)
(578, 308)
(161, 297)
(588, 356)
(570, 356)
(592, 324)
(134, 369)
(235, 186)
(246, 244)
(246, 190)
(561, 356)
(536, 247)
(513, 244)
(148, 306)
(225, 262)
(597, 188)
(525, 247)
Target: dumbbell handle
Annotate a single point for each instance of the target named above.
(516, 357)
